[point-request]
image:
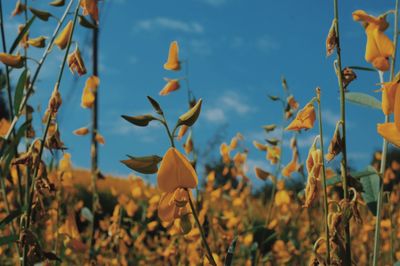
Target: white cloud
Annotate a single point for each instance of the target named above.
(267, 44)
(201, 47)
(215, 115)
(229, 102)
(234, 101)
(165, 23)
(329, 117)
(214, 3)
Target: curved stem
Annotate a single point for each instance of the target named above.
(343, 165)
(326, 210)
(43, 139)
(203, 236)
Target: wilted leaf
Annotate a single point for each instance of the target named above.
(51, 256)
(155, 105)
(144, 165)
(43, 15)
(86, 23)
(363, 99)
(140, 120)
(260, 173)
(190, 117)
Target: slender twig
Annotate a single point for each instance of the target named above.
(384, 148)
(343, 164)
(326, 210)
(94, 144)
(43, 139)
(202, 234)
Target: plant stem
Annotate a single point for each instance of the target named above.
(326, 210)
(384, 147)
(343, 166)
(94, 144)
(203, 236)
(24, 100)
(43, 139)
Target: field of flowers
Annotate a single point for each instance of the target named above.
(52, 213)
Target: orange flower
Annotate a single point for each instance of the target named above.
(379, 47)
(172, 85)
(390, 133)
(173, 60)
(294, 105)
(174, 177)
(88, 95)
(62, 39)
(305, 119)
(182, 131)
(15, 61)
(38, 42)
(81, 131)
(90, 8)
(388, 96)
(4, 127)
(273, 154)
(75, 62)
(292, 166)
(19, 8)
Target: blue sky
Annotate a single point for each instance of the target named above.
(238, 50)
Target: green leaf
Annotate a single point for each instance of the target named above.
(274, 98)
(363, 68)
(86, 23)
(231, 251)
(371, 185)
(9, 152)
(357, 175)
(144, 165)
(43, 15)
(8, 239)
(397, 263)
(21, 35)
(190, 117)
(140, 120)
(269, 128)
(19, 90)
(273, 141)
(363, 99)
(10, 217)
(57, 3)
(155, 105)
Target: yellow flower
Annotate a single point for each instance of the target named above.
(15, 61)
(388, 96)
(172, 85)
(88, 92)
(173, 60)
(273, 154)
(75, 62)
(174, 177)
(90, 7)
(62, 39)
(19, 8)
(38, 42)
(379, 47)
(390, 133)
(81, 131)
(292, 166)
(305, 119)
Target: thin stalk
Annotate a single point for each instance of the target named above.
(384, 147)
(202, 234)
(343, 164)
(94, 144)
(24, 100)
(43, 139)
(326, 210)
